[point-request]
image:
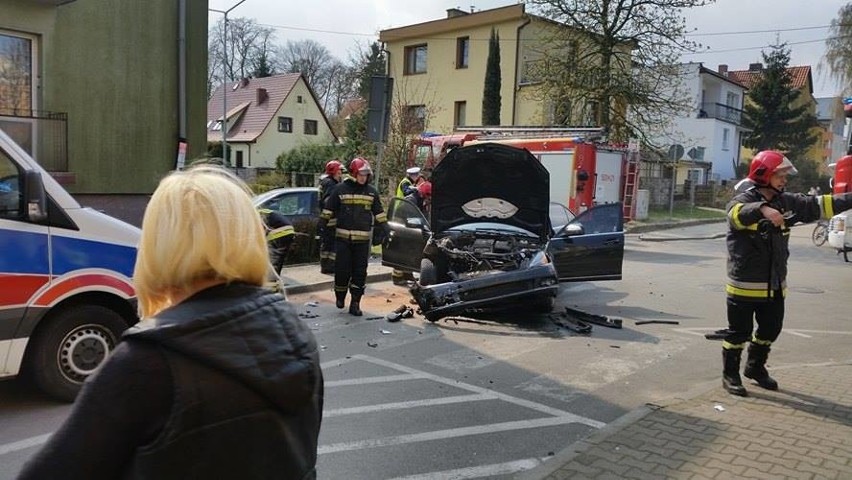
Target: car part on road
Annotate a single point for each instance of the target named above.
(664, 322)
(576, 326)
(593, 318)
(718, 334)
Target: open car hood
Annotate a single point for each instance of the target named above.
(491, 182)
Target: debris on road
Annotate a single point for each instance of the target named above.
(664, 322)
(719, 408)
(312, 304)
(384, 332)
(593, 318)
(372, 344)
(718, 334)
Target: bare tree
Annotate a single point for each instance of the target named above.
(613, 63)
(246, 44)
(838, 48)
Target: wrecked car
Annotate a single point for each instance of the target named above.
(494, 239)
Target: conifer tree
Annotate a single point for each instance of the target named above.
(774, 114)
(491, 101)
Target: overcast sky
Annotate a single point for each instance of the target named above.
(342, 24)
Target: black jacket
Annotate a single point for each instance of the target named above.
(279, 236)
(352, 208)
(226, 384)
(326, 186)
(758, 251)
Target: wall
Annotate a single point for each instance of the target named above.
(113, 67)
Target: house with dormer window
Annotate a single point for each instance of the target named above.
(265, 117)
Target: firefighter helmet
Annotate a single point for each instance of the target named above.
(359, 165)
(425, 189)
(333, 167)
(766, 163)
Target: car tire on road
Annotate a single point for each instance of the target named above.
(70, 346)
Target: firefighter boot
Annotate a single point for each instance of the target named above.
(756, 366)
(340, 298)
(731, 380)
(355, 306)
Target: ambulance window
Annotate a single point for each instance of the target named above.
(10, 188)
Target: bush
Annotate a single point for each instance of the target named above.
(308, 158)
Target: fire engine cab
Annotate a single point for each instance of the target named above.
(840, 226)
(583, 172)
(65, 289)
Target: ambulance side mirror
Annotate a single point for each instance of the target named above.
(35, 197)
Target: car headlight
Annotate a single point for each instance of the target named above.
(540, 258)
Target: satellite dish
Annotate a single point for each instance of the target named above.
(676, 152)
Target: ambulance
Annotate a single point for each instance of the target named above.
(65, 288)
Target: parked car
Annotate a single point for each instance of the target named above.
(494, 239)
(840, 233)
(301, 206)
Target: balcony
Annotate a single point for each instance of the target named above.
(43, 135)
(722, 112)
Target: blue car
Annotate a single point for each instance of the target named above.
(494, 239)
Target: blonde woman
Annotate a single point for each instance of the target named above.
(220, 379)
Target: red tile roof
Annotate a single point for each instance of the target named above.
(256, 116)
(799, 76)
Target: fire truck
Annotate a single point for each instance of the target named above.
(840, 226)
(584, 172)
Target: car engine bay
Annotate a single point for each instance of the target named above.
(468, 254)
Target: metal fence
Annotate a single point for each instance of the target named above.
(44, 135)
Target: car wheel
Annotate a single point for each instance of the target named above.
(428, 272)
(71, 346)
(544, 305)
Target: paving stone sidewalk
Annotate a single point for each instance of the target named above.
(804, 430)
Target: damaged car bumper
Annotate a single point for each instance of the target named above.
(487, 289)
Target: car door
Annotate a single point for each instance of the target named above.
(409, 231)
(591, 246)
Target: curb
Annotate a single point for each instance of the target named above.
(674, 239)
(329, 284)
(651, 227)
(611, 429)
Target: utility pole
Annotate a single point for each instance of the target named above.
(225, 157)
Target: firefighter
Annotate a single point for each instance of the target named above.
(279, 237)
(356, 208)
(333, 175)
(759, 220)
(408, 184)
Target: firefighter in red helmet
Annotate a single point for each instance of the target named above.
(333, 175)
(759, 220)
(356, 209)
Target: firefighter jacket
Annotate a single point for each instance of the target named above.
(757, 250)
(353, 209)
(279, 236)
(326, 186)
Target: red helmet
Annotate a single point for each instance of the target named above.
(766, 163)
(425, 189)
(333, 167)
(357, 165)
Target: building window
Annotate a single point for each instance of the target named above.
(310, 127)
(299, 99)
(460, 112)
(18, 69)
(239, 159)
(415, 119)
(726, 139)
(285, 124)
(462, 51)
(531, 72)
(415, 59)
(733, 100)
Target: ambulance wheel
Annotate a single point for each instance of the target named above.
(70, 346)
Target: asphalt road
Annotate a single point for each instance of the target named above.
(489, 397)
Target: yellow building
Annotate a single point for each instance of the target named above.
(439, 71)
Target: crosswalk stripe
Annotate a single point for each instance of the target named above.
(444, 434)
(377, 379)
(411, 404)
(481, 471)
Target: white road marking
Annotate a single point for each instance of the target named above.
(24, 444)
(378, 379)
(481, 471)
(412, 404)
(473, 388)
(700, 331)
(798, 334)
(445, 434)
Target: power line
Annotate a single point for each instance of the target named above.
(314, 30)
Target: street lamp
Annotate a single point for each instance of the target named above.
(225, 158)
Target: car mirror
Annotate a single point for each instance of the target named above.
(573, 230)
(414, 222)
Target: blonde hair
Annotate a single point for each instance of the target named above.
(199, 226)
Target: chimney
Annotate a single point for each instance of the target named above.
(262, 96)
(755, 67)
(455, 12)
(723, 70)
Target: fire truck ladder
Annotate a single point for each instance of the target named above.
(587, 134)
(631, 185)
